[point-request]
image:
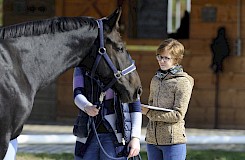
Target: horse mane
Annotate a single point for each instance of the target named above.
(46, 26)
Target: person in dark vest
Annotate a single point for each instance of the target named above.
(111, 126)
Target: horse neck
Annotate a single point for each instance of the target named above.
(46, 57)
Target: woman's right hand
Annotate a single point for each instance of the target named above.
(91, 110)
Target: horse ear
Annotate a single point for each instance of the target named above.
(112, 20)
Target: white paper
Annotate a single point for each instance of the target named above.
(157, 108)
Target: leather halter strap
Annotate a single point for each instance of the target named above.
(102, 53)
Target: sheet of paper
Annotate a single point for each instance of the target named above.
(157, 108)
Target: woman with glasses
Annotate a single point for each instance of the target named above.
(170, 88)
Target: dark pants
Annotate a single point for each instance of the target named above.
(168, 152)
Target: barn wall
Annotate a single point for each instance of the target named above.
(231, 81)
(201, 113)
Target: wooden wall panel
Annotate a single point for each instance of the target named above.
(216, 2)
(197, 64)
(239, 101)
(202, 98)
(243, 31)
(28, 10)
(146, 66)
(225, 100)
(203, 30)
(235, 64)
(232, 81)
(94, 8)
(67, 77)
(204, 80)
(199, 117)
(226, 116)
(227, 13)
(199, 47)
(243, 12)
(66, 108)
(239, 118)
(231, 93)
(195, 15)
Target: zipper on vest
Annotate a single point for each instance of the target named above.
(123, 141)
(101, 98)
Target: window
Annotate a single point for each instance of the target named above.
(178, 18)
(159, 19)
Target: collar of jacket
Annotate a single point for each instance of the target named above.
(163, 73)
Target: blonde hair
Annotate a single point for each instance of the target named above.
(173, 47)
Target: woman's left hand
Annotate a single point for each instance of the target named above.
(134, 146)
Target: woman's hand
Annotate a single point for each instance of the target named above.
(134, 146)
(91, 110)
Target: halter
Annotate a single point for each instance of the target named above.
(102, 52)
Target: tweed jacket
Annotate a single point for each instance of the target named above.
(172, 91)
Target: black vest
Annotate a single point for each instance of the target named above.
(92, 90)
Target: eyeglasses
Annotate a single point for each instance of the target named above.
(159, 58)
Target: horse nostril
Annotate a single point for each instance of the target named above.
(139, 91)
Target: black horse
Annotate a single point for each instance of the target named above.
(33, 54)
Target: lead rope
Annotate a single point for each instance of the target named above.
(102, 95)
(102, 148)
(101, 98)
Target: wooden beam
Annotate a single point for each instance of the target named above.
(59, 7)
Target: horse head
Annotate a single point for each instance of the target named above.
(127, 85)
